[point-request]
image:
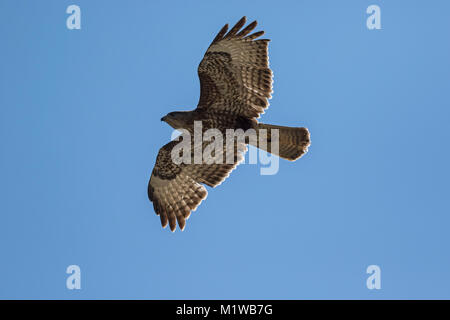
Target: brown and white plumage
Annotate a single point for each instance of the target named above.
(235, 85)
(234, 73)
(176, 189)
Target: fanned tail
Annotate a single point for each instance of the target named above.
(293, 142)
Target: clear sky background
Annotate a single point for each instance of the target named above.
(80, 129)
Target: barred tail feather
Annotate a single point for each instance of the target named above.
(293, 142)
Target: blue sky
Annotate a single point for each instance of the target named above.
(80, 129)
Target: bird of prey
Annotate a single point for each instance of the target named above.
(235, 85)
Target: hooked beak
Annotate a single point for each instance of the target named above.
(163, 118)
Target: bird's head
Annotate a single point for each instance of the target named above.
(176, 120)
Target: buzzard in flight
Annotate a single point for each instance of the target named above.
(235, 85)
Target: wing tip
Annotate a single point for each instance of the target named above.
(221, 34)
(235, 33)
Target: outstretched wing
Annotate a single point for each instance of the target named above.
(176, 189)
(234, 74)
